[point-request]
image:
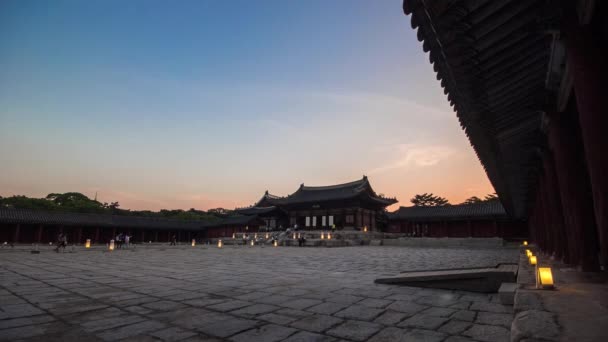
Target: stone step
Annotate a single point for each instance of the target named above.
(485, 279)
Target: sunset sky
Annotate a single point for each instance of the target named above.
(204, 104)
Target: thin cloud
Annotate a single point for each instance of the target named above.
(415, 155)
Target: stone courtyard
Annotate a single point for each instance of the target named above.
(202, 293)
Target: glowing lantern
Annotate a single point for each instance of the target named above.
(528, 253)
(328, 236)
(266, 236)
(255, 236)
(87, 244)
(219, 243)
(365, 229)
(525, 243)
(299, 235)
(322, 236)
(233, 235)
(111, 246)
(294, 236)
(193, 242)
(252, 242)
(532, 259)
(275, 243)
(544, 278)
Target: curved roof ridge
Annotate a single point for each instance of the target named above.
(360, 182)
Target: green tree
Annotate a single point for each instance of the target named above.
(472, 200)
(429, 200)
(491, 197)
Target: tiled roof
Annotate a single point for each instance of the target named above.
(491, 209)
(30, 216)
(492, 59)
(256, 210)
(306, 194)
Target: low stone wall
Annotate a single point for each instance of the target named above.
(445, 242)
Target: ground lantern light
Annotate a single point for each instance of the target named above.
(525, 243)
(365, 229)
(528, 253)
(266, 236)
(87, 244)
(275, 243)
(322, 236)
(111, 246)
(328, 236)
(193, 242)
(255, 236)
(252, 243)
(219, 243)
(233, 235)
(532, 260)
(544, 278)
(294, 235)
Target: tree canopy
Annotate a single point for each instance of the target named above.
(429, 200)
(77, 202)
(475, 199)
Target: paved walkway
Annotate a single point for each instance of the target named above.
(243, 294)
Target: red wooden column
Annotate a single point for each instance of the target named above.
(587, 61)
(574, 189)
(373, 223)
(357, 214)
(554, 202)
(16, 233)
(96, 235)
(79, 238)
(143, 235)
(39, 234)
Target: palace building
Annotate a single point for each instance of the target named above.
(352, 205)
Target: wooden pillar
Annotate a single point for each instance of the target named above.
(96, 235)
(16, 233)
(79, 236)
(574, 188)
(470, 228)
(113, 234)
(554, 202)
(143, 235)
(357, 214)
(39, 234)
(373, 223)
(156, 236)
(587, 61)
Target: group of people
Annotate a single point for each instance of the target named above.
(122, 240)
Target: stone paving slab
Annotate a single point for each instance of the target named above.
(243, 294)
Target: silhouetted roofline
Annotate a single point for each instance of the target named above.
(33, 216)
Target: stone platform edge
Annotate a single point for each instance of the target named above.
(532, 321)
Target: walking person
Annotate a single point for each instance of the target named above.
(118, 241)
(62, 242)
(127, 239)
(173, 241)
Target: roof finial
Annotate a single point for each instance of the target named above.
(266, 192)
(301, 185)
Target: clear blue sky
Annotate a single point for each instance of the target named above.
(181, 104)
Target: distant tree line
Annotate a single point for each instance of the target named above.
(79, 203)
(430, 200)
